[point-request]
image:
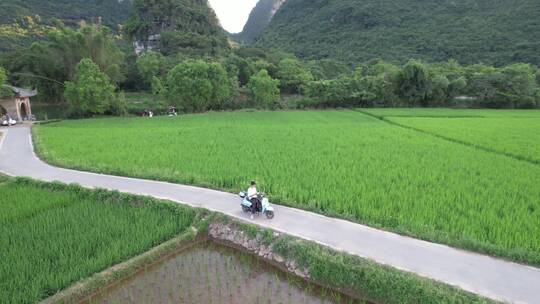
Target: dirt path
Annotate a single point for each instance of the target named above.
(486, 276)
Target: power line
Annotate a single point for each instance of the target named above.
(37, 76)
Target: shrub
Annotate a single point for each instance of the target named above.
(293, 75)
(264, 90)
(149, 65)
(118, 105)
(3, 76)
(157, 86)
(198, 86)
(91, 91)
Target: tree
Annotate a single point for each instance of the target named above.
(3, 76)
(438, 93)
(457, 87)
(512, 86)
(376, 91)
(188, 27)
(54, 58)
(327, 69)
(222, 86)
(91, 91)
(356, 31)
(518, 85)
(197, 86)
(343, 91)
(483, 86)
(263, 88)
(149, 65)
(157, 86)
(414, 83)
(231, 65)
(379, 67)
(380, 79)
(293, 75)
(96, 42)
(118, 105)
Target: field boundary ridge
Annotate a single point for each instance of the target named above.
(450, 139)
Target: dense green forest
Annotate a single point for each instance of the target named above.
(481, 31)
(112, 12)
(25, 21)
(258, 20)
(184, 26)
(192, 66)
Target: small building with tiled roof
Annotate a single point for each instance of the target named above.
(18, 105)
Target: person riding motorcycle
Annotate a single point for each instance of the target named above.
(253, 197)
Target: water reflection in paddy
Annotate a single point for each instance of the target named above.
(210, 273)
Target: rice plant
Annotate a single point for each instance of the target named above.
(341, 163)
(50, 238)
(516, 137)
(208, 266)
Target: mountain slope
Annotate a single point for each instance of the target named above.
(24, 21)
(177, 26)
(112, 12)
(258, 20)
(494, 32)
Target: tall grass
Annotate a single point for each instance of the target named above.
(51, 237)
(335, 162)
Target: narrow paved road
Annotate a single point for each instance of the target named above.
(490, 277)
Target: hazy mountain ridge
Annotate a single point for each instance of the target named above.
(258, 20)
(493, 32)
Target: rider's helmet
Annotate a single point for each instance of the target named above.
(253, 183)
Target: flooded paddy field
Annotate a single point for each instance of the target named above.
(211, 273)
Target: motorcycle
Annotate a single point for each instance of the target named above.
(266, 208)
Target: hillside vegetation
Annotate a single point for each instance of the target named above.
(258, 20)
(112, 12)
(186, 26)
(492, 32)
(22, 22)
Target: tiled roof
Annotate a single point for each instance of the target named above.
(20, 92)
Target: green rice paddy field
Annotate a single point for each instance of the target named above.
(52, 236)
(468, 178)
(514, 133)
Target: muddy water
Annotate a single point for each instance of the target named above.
(210, 273)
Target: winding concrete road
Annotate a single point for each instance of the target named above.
(483, 275)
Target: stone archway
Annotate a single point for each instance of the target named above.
(18, 106)
(23, 110)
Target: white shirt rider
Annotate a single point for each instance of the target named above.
(252, 192)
